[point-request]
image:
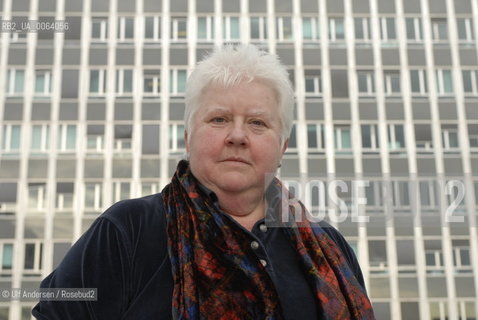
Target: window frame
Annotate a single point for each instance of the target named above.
(369, 82)
(386, 33)
(332, 29)
(177, 35)
(364, 23)
(37, 258)
(97, 195)
(209, 28)
(122, 28)
(103, 29)
(102, 81)
(392, 137)
(12, 78)
(156, 28)
(63, 135)
(422, 82)
(4, 268)
(175, 136)
(175, 87)
(227, 31)
(388, 82)
(440, 80)
(314, 28)
(153, 75)
(262, 28)
(374, 137)
(44, 138)
(121, 86)
(417, 29)
(7, 142)
(319, 136)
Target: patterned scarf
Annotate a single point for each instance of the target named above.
(217, 275)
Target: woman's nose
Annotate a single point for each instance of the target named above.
(237, 135)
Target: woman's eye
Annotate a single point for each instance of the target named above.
(218, 120)
(258, 123)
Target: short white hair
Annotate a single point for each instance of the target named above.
(232, 65)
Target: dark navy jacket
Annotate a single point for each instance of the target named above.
(124, 255)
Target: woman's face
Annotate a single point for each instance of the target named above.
(235, 140)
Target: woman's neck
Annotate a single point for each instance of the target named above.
(246, 209)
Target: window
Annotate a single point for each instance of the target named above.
(18, 37)
(473, 135)
(342, 138)
(40, 138)
(292, 146)
(465, 29)
(66, 138)
(387, 29)
(95, 137)
(444, 81)
(400, 195)
(121, 191)
(15, 81)
(418, 82)
(392, 82)
(284, 28)
(396, 137)
(205, 28)
(414, 29)
(439, 29)
(11, 137)
(433, 254)
(315, 137)
(64, 195)
(125, 28)
(124, 81)
(370, 137)
(93, 196)
(230, 28)
(374, 194)
(97, 81)
(423, 138)
(336, 29)
(177, 81)
(362, 29)
(449, 136)
(6, 254)
(176, 137)
(33, 257)
(366, 83)
(179, 28)
(99, 29)
(152, 28)
(123, 137)
(42, 82)
(470, 81)
(461, 254)
(313, 84)
(377, 253)
(36, 196)
(428, 193)
(152, 82)
(310, 28)
(258, 28)
(8, 197)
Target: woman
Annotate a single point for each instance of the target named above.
(201, 249)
